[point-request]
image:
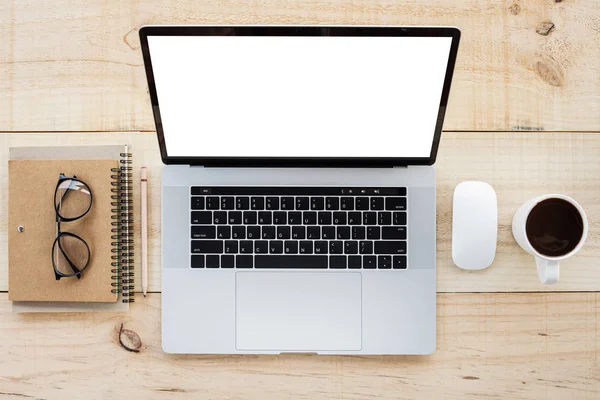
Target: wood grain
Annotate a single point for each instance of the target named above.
(77, 66)
(525, 346)
(519, 166)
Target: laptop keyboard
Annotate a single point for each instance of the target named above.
(298, 227)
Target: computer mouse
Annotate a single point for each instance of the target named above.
(474, 225)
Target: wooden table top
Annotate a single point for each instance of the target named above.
(524, 115)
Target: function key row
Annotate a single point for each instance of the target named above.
(301, 203)
(298, 261)
(298, 232)
(298, 218)
(296, 191)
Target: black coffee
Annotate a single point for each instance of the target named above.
(554, 227)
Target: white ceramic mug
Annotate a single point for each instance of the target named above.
(548, 267)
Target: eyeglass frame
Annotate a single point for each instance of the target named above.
(59, 218)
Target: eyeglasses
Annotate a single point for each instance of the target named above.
(70, 253)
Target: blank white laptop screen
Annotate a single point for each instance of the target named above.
(257, 96)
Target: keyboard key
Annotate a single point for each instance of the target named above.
(298, 232)
(276, 247)
(203, 232)
(291, 261)
(306, 247)
(384, 262)
(198, 190)
(373, 232)
(377, 203)
(369, 262)
(197, 261)
(212, 261)
(399, 262)
(389, 232)
(328, 232)
(395, 203)
(313, 232)
(362, 203)
(244, 261)
(354, 262)
(250, 217)
(280, 218)
(235, 218)
(390, 247)
(399, 218)
(324, 218)
(257, 203)
(238, 232)
(339, 218)
(290, 247)
(261, 247)
(227, 203)
(265, 217)
(223, 232)
(347, 203)
(309, 218)
(354, 218)
(220, 217)
(202, 217)
(242, 203)
(283, 232)
(317, 203)
(212, 203)
(197, 203)
(268, 232)
(366, 247)
(384, 218)
(336, 247)
(332, 203)
(337, 262)
(246, 246)
(351, 247)
(321, 247)
(302, 203)
(287, 203)
(358, 232)
(272, 203)
(253, 232)
(294, 218)
(227, 261)
(343, 232)
(369, 218)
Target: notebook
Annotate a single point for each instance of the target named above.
(107, 228)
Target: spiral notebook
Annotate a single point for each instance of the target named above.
(107, 228)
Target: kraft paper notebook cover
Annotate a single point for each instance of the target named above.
(31, 205)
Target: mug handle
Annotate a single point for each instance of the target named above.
(547, 270)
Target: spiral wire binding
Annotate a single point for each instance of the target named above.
(122, 229)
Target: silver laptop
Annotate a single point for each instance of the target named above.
(298, 197)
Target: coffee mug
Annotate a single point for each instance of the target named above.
(552, 228)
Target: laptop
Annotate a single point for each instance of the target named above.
(298, 193)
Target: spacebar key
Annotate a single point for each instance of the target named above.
(291, 261)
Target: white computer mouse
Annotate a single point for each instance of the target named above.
(474, 225)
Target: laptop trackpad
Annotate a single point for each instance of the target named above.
(298, 311)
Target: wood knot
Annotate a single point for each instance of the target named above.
(514, 9)
(545, 28)
(470, 378)
(131, 39)
(129, 340)
(551, 74)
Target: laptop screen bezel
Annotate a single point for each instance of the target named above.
(349, 31)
